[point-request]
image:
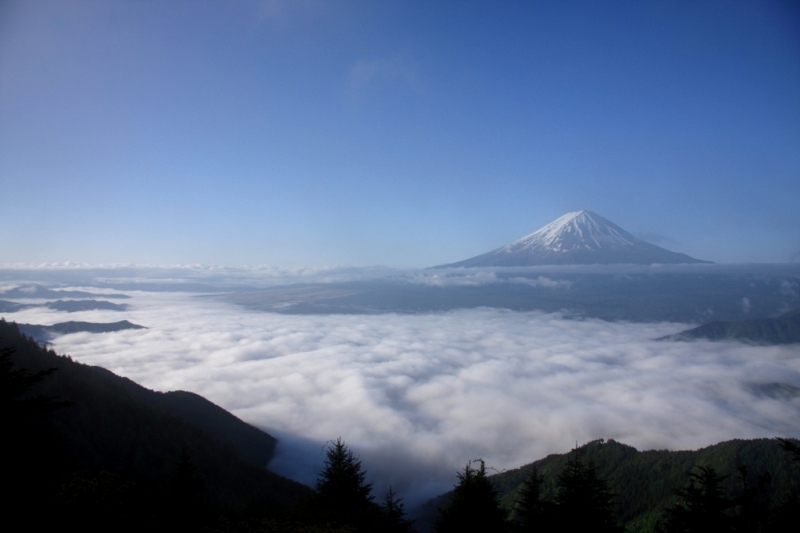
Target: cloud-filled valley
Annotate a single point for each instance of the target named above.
(440, 234)
(417, 395)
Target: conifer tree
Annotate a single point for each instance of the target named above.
(342, 492)
(751, 504)
(29, 448)
(532, 512)
(17, 409)
(791, 448)
(702, 507)
(342, 480)
(583, 501)
(394, 514)
(786, 515)
(474, 506)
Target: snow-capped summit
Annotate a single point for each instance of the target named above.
(577, 238)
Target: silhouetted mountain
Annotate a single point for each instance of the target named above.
(116, 426)
(249, 442)
(72, 306)
(45, 333)
(11, 307)
(784, 329)
(578, 238)
(69, 306)
(40, 291)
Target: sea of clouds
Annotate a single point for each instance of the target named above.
(203, 277)
(418, 395)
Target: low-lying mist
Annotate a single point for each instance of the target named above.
(417, 395)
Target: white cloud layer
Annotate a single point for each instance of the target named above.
(476, 277)
(416, 396)
(172, 277)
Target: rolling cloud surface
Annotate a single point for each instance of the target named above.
(417, 395)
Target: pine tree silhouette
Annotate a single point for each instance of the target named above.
(532, 512)
(30, 448)
(702, 508)
(394, 514)
(342, 492)
(583, 501)
(17, 409)
(474, 506)
(786, 515)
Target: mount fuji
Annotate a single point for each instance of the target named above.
(577, 238)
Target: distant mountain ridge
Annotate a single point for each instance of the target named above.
(40, 291)
(70, 306)
(784, 329)
(577, 238)
(45, 333)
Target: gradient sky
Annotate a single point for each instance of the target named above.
(398, 133)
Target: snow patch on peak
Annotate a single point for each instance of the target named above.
(578, 230)
(579, 237)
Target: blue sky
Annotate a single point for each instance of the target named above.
(405, 134)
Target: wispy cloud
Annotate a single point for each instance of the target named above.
(417, 395)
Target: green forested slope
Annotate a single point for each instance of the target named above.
(644, 482)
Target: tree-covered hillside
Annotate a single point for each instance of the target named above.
(109, 435)
(644, 483)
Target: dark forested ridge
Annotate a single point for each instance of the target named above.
(249, 442)
(87, 450)
(784, 329)
(643, 485)
(43, 333)
(117, 438)
(70, 306)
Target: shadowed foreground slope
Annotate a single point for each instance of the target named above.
(116, 426)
